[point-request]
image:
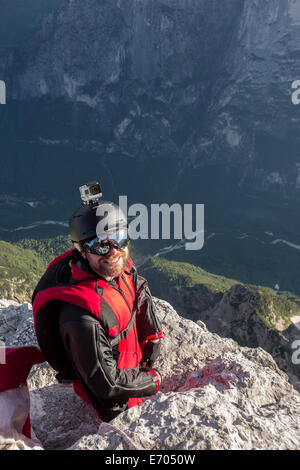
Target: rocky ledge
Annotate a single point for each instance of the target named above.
(215, 395)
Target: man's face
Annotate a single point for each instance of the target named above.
(108, 266)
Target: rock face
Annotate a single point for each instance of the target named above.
(235, 314)
(215, 395)
(189, 104)
(171, 83)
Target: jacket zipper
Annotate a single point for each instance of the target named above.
(134, 327)
(128, 287)
(135, 334)
(99, 290)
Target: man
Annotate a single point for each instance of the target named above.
(94, 317)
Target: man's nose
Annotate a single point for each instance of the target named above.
(113, 251)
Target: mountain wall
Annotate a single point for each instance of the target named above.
(182, 101)
(169, 80)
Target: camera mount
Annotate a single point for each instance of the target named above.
(90, 193)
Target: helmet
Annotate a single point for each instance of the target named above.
(84, 222)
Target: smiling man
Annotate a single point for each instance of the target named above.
(94, 317)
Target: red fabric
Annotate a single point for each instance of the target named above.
(134, 402)
(78, 274)
(79, 390)
(157, 379)
(60, 257)
(27, 428)
(18, 363)
(80, 295)
(128, 291)
(112, 332)
(155, 336)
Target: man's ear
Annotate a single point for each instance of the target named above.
(84, 255)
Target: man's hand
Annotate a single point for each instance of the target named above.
(150, 352)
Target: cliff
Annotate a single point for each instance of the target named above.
(215, 395)
(170, 80)
(188, 100)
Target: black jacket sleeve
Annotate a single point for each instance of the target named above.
(95, 362)
(148, 325)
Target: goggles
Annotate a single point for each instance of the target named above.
(102, 245)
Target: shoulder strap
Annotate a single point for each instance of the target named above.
(124, 333)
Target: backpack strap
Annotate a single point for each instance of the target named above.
(124, 333)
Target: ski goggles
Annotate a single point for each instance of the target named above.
(102, 245)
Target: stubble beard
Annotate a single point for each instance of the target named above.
(107, 271)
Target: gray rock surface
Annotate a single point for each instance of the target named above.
(215, 395)
(236, 314)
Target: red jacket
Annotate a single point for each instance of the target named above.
(78, 317)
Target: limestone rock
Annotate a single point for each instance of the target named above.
(236, 316)
(215, 395)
